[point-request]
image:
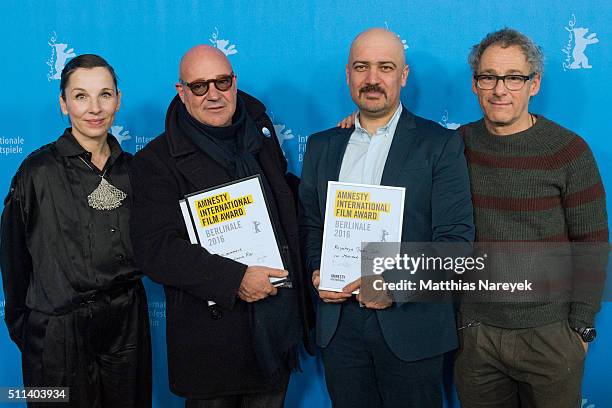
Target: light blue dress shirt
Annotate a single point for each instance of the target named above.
(365, 156)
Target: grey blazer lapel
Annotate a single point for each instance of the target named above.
(403, 141)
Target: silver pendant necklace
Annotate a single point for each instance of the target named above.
(105, 196)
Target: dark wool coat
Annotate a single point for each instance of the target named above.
(209, 348)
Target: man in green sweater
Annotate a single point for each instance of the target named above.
(531, 181)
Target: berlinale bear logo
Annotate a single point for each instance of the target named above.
(282, 133)
(120, 134)
(580, 44)
(60, 53)
(449, 125)
(223, 45)
(577, 42)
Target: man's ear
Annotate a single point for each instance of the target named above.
(534, 87)
(180, 90)
(405, 73)
(347, 74)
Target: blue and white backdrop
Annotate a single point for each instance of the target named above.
(291, 54)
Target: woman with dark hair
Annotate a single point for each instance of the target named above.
(74, 302)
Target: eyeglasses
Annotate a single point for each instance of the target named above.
(200, 88)
(512, 82)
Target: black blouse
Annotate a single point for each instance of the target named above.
(56, 251)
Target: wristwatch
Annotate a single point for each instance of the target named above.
(587, 334)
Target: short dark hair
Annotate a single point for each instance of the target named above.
(86, 61)
(507, 37)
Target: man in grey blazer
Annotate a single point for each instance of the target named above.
(382, 353)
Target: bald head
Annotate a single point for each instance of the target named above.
(379, 38)
(201, 55)
(201, 64)
(375, 73)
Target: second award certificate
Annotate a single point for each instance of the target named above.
(355, 214)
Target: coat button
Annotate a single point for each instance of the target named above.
(215, 313)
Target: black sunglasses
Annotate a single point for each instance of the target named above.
(200, 87)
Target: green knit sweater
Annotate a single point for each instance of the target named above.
(543, 185)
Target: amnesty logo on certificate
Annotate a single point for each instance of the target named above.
(221, 207)
(232, 220)
(355, 214)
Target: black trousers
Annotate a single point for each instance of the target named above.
(361, 370)
(101, 351)
(271, 399)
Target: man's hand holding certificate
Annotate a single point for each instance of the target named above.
(233, 221)
(256, 283)
(328, 296)
(368, 295)
(356, 214)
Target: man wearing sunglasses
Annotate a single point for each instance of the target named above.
(238, 352)
(531, 181)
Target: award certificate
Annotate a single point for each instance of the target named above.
(232, 220)
(355, 214)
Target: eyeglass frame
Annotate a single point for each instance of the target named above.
(502, 78)
(207, 82)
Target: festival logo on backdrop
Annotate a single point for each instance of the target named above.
(123, 135)
(60, 53)
(120, 134)
(282, 133)
(449, 125)
(578, 41)
(223, 45)
(404, 43)
(586, 404)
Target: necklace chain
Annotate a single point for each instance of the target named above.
(92, 169)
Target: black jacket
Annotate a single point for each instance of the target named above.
(56, 251)
(428, 161)
(209, 349)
